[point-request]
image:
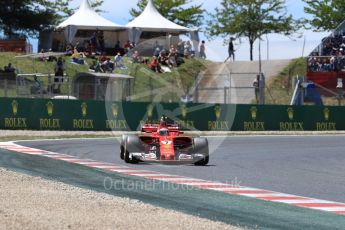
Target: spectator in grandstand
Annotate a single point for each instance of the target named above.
(100, 38)
(332, 63)
(93, 41)
(79, 47)
(128, 46)
(78, 58)
(36, 88)
(51, 58)
(136, 58)
(163, 59)
(43, 58)
(103, 58)
(173, 56)
(118, 61)
(180, 49)
(155, 66)
(156, 52)
(107, 66)
(332, 56)
(86, 47)
(187, 49)
(320, 64)
(96, 66)
(69, 49)
(312, 64)
(9, 68)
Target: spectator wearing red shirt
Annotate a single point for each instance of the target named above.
(128, 46)
(155, 66)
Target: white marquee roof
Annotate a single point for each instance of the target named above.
(151, 20)
(86, 18)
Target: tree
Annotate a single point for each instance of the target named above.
(326, 14)
(27, 17)
(251, 19)
(23, 16)
(176, 11)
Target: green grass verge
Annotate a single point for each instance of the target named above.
(280, 89)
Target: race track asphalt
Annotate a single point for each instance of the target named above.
(231, 209)
(312, 166)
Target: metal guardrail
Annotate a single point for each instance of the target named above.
(233, 88)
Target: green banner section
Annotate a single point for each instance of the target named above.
(42, 114)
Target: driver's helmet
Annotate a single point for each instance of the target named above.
(164, 132)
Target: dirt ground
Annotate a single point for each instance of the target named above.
(34, 203)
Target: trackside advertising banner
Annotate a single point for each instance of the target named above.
(42, 114)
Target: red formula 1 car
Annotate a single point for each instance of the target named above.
(163, 143)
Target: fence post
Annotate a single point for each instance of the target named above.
(225, 95)
(230, 88)
(196, 94)
(262, 89)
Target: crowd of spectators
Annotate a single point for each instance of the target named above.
(8, 69)
(331, 57)
(162, 59)
(334, 45)
(8, 72)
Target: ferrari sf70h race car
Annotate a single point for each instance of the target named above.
(163, 143)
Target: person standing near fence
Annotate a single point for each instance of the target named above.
(256, 86)
(59, 74)
(202, 50)
(231, 50)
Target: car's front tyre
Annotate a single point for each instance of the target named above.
(200, 146)
(132, 144)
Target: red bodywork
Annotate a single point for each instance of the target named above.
(166, 145)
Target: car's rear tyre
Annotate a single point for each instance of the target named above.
(201, 147)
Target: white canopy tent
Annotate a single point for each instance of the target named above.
(85, 18)
(150, 20)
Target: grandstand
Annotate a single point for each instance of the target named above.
(326, 63)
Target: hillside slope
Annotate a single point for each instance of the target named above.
(239, 75)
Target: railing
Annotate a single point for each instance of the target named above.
(233, 88)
